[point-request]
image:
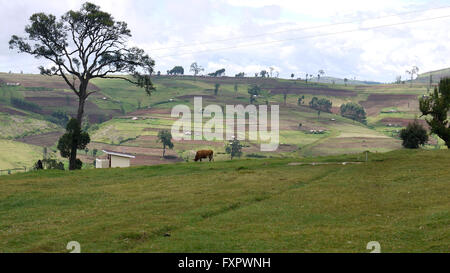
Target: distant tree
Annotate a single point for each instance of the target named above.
(234, 148)
(165, 137)
(240, 75)
(345, 81)
(86, 150)
(301, 100)
(216, 88)
(271, 71)
(74, 138)
(94, 152)
(413, 135)
(177, 70)
(83, 45)
(414, 70)
(292, 76)
(196, 68)
(158, 73)
(218, 73)
(437, 105)
(353, 111)
(285, 94)
(256, 75)
(321, 73)
(263, 73)
(254, 92)
(306, 79)
(322, 104)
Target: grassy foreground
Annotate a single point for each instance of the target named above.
(400, 199)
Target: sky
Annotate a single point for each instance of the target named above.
(356, 39)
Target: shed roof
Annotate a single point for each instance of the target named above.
(118, 154)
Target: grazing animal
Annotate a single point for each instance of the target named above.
(204, 154)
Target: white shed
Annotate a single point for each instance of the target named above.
(114, 160)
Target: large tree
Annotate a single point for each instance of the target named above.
(83, 45)
(437, 105)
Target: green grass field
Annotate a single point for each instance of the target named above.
(15, 154)
(400, 199)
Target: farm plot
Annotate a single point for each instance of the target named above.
(377, 102)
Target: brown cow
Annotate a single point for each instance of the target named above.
(204, 154)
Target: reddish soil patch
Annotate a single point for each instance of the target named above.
(403, 121)
(44, 140)
(43, 82)
(132, 150)
(10, 111)
(94, 113)
(376, 102)
(335, 110)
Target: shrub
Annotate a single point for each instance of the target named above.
(414, 135)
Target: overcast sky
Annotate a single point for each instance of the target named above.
(248, 36)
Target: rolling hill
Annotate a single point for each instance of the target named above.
(123, 118)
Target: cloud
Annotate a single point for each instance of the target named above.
(207, 29)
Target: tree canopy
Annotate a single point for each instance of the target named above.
(74, 138)
(413, 135)
(177, 70)
(165, 137)
(353, 111)
(322, 104)
(83, 45)
(437, 107)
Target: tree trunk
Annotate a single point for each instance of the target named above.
(164, 151)
(81, 102)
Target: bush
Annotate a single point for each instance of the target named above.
(78, 164)
(49, 164)
(414, 135)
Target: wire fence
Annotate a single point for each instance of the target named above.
(15, 170)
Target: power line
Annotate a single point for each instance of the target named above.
(291, 30)
(308, 37)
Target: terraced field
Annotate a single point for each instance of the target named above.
(126, 117)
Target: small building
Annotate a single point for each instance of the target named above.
(114, 160)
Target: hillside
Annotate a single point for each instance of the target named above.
(436, 76)
(267, 205)
(123, 118)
